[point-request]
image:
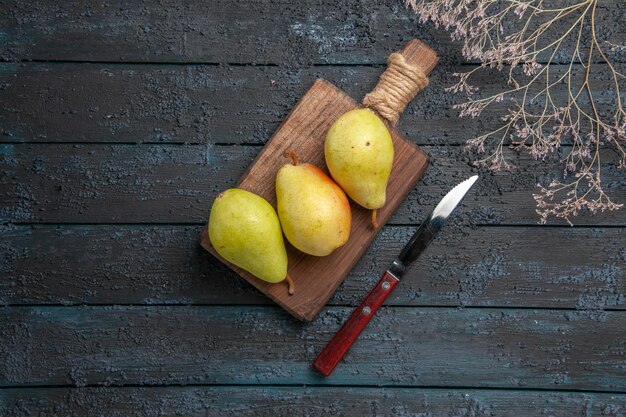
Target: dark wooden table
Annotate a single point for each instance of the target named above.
(120, 122)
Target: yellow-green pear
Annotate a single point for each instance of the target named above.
(314, 211)
(244, 229)
(359, 156)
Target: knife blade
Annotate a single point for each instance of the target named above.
(330, 356)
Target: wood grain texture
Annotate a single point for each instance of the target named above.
(304, 132)
(313, 31)
(310, 401)
(204, 104)
(264, 345)
(484, 266)
(251, 31)
(61, 183)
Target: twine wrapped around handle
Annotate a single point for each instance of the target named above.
(396, 87)
(406, 75)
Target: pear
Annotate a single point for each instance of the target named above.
(314, 211)
(359, 156)
(244, 229)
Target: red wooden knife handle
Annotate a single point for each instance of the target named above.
(349, 332)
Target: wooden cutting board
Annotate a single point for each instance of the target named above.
(304, 131)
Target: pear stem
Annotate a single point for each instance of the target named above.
(293, 156)
(374, 220)
(292, 286)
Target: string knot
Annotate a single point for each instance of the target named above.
(396, 87)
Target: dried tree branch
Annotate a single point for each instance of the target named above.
(516, 35)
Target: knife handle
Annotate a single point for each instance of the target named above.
(349, 332)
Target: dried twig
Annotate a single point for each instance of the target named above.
(515, 36)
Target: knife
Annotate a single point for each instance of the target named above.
(349, 332)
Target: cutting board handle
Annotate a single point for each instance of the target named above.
(406, 75)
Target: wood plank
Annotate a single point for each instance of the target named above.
(484, 266)
(125, 182)
(60, 183)
(217, 31)
(317, 401)
(313, 31)
(44, 102)
(264, 345)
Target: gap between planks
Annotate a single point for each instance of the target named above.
(316, 386)
(343, 305)
(398, 225)
(241, 64)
